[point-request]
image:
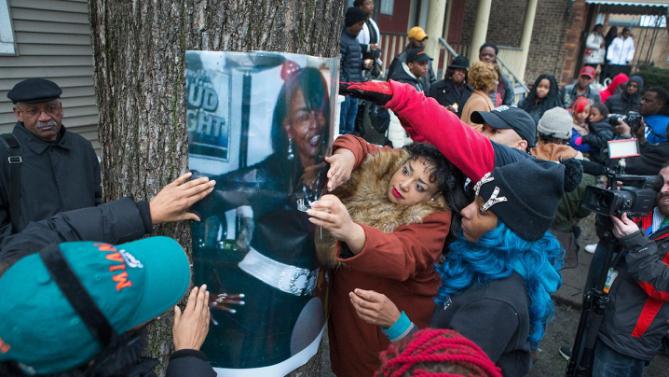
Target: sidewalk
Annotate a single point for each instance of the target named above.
(574, 275)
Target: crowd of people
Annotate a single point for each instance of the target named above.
(442, 254)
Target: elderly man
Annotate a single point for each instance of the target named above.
(44, 168)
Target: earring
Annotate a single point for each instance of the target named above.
(290, 155)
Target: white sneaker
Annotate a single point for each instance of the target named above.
(590, 249)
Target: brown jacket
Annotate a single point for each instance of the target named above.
(478, 101)
(402, 245)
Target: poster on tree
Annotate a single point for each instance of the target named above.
(259, 124)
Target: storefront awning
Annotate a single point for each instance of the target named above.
(656, 7)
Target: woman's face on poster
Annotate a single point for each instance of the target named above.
(305, 127)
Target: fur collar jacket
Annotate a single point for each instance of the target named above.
(365, 196)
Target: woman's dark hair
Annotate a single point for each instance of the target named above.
(602, 109)
(491, 45)
(310, 81)
(449, 179)
(358, 3)
(550, 101)
(611, 35)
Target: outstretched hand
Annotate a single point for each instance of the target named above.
(341, 163)
(192, 325)
(378, 92)
(173, 201)
(374, 308)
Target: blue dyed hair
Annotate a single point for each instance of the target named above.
(498, 254)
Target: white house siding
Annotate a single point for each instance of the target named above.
(53, 40)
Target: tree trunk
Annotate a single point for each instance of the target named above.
(139, 77)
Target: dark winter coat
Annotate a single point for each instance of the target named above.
(496, 317)
(446, 92)
(600, 134)
(652, 158)
(395, 69)
(55, 176)
(404, 75)
(351, 58)
(115, 222)
(635, 318)
(621, 103)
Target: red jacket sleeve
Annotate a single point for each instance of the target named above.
(359, 146)
(426, 120)
(402, 253)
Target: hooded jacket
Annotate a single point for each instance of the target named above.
(611, 89)
(403, 74)
(402, 245)
(622, 102)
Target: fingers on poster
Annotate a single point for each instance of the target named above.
(260, 124)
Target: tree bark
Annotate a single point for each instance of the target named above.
(139, 78)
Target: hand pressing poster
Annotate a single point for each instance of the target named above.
(259, 124)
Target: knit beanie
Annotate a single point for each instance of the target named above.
(637, 79)
(354, 15)
(556, 123)
(525, 195)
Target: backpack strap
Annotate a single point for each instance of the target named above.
(15, 161)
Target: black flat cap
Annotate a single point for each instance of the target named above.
(34, 90)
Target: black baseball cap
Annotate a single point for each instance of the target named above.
(505, 117)
(417, 55)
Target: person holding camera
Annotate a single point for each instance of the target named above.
(635, 319)
(651, 133)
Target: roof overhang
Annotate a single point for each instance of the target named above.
(657, 7)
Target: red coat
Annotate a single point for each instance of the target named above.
(398, 264)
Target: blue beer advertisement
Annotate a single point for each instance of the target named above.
(260, 124)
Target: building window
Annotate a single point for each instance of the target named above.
(7, 46)
(387, 7)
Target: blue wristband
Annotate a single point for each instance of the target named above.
(399, 329)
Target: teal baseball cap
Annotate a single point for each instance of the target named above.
(131, 284)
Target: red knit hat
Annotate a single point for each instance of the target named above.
(436, 353)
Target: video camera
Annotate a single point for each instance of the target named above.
(632, 118)
(636, 195)
(631, 194)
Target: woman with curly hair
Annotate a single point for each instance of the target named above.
(389, 219)
(504, 264)
(483, 78)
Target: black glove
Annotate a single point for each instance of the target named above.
(378, 92)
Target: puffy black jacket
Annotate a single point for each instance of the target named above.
(600, 134)
(629, 327)
(351, 58)
(621, 103)
(115, 222)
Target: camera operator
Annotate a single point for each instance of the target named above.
(635, 318)
(652, 133)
